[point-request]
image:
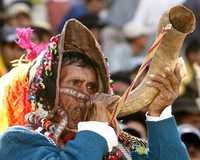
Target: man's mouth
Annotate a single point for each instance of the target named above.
(74, 93)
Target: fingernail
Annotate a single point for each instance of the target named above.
(148, 82)
(167, 68)
(152, 75)
(163, 75)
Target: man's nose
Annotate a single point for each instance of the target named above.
(83, 88)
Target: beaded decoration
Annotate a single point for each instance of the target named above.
(44, 68)
(59, 130)
(44, 126)
(134, 144)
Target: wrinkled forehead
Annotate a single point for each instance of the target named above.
(79, 71)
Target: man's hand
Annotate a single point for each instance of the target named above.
(168, 87)
(101, 107)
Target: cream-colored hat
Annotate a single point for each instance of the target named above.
(132, 30)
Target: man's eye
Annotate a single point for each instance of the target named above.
(92, 88)
(76, 82)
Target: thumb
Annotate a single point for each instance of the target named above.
(111, 102)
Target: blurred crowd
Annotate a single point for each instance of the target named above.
(125, 29)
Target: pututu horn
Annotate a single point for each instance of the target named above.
(183, 22)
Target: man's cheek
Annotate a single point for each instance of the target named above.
(66, 102)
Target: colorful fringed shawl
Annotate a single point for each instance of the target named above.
(14, 104)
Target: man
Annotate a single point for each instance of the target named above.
(69, 89)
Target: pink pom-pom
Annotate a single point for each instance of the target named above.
(36, 50)
(24, 41)
(24, 37)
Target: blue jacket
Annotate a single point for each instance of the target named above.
(19, 143)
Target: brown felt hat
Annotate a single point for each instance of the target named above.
(75, 37)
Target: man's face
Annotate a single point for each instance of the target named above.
(83, 80)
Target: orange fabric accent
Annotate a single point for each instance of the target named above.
(14, 103)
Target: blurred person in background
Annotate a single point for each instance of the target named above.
(9, 50)
(120, 12)
(126, 56)
(75, 1)
(148, 12)
(186, 110)
(117, 14)
(81, 9)
(41, 34)
(94, 23)
(53, 5)
(40, 15)
(121, 82)
(192, 54)
(191, 137)
(135, 124)
(18, 14)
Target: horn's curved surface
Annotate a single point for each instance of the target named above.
(183, 22)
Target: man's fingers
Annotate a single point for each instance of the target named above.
(159, 86)
(105, 100)
(113, 99)
(172, 78)
(112, 103)
(160, 79)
